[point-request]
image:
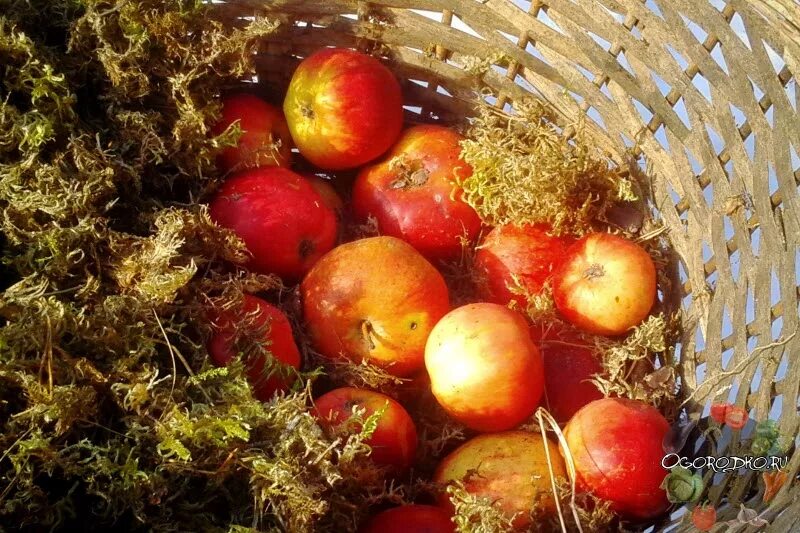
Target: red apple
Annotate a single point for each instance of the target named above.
(569, 366)
(265, 139)
(275, 336)
(606, 284)
(326, 191)
(411, 519)
(414, 194)
(280, 217)
(344, 108)
(374, 299)
(616, 448)
(509, 468)
(485, 370)
(521, 257)
(394, 442)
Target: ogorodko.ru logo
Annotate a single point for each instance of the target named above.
(757, 463)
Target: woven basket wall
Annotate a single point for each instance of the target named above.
(704, 94)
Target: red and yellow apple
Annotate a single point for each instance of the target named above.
(374, 299)
(616, 446)
(265, 139)
(344, 108)
(282, 220)
(517, 258)
(274, 335)
(509, 468)
(606, 285)
(485, 370)
(414, 193)
(569, 366)
(411, 519)
(394, 441)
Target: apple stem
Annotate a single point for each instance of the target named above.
(596, 270)
(307, 111)
(369, 334)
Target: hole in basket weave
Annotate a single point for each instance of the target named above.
(663, 87)
(695, 29)
(653, 6)
(719, 58)
(774, 57)
(737, 24)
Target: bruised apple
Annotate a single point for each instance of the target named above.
(411, 519)
(344, 108)
(517, 260)
(510, 468)
(394, 441)
(413, 193)
(271, 330)
(284, 222)
(606, 284)
(374, 299)
(616, 446)
(484, 368)
(265, 138)
(570, 364)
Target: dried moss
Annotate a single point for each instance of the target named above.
(476, 515)
(525, 170)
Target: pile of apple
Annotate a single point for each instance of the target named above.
(383, 300)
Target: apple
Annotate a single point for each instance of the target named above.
(326, 191)
(394, 442)
(616, 446)
(344, 108)
(411, 519)
(414, 195)
(274, 334)
(485, 370)
(265, 139)
(606, 285)
(570, 364)
(374, 299)
(521, 257)
(509, 468)
(282, 220)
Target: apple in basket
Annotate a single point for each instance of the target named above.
(265, 139)
(344, 108)
(485, 370)
(283, 220)
(616, 447)
(606, 285)
(271, 331)
(411, 519)
(414, 193)
(513, 261)
(394, 441)
(511, 468)
(374, 299)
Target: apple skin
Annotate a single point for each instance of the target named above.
(263, 127)
(344, 108)
(280, 217)
(414, 196)
(568, 370)
(526, 252)
(485, 370)
(278, 339)
(327, 192)
(394, 442)
(411, 519)
(374, 299)
(509, 468)
(606, 284)
(616, 446)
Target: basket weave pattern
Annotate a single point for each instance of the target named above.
(704, 93)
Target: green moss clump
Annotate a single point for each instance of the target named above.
(525, 170)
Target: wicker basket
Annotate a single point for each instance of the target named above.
(703, 93)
